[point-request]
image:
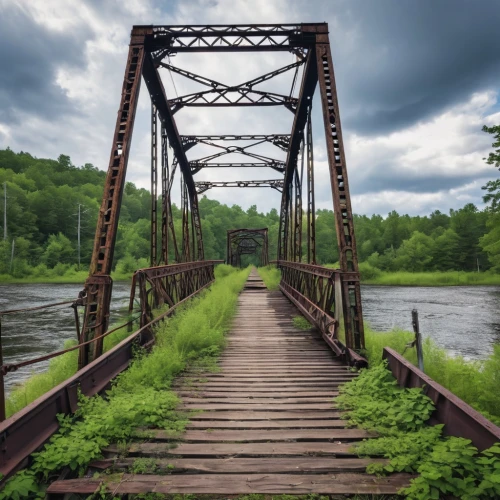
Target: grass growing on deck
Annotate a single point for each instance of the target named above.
(271, 276)
(59, 370)
(141, 394)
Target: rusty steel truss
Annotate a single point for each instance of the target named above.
(150, 50)
(247, 242)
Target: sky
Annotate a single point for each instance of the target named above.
(416, 82)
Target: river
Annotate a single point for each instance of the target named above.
(463, 320)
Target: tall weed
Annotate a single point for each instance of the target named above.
(271, 276)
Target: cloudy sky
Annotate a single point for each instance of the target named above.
(417, 80)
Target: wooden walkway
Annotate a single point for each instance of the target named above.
(268, 423)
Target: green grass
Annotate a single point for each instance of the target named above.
(271, 276)
(449, 278)
(71, 277)
(301, 323)
(140, 396)
(65, 366)
(59, 370)
(474, 381)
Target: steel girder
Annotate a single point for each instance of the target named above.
(148, 47)
(245, 242)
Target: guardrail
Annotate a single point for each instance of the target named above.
(25, 431)
(318, 293)
(458, 417)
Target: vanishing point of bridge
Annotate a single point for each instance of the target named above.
(268, 422)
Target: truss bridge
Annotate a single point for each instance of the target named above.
(268, 422)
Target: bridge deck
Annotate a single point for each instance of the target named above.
(268, 423)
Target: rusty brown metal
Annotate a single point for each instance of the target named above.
(27, 430)
(169, 284)
(247, 241)
(458, 417)
(98, 286)
(314, 292)
(154, 187)
(340, 192)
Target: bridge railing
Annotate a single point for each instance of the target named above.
(317, 292)
(25, 431)
(169, 285)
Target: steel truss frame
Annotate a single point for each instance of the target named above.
(245, 242)
(149, 47)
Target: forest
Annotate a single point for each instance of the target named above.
(46, 198)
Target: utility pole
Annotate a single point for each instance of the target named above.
(4, 210)
(79, 205)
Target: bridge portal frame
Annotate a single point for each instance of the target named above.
(237, 245)
(149, 46)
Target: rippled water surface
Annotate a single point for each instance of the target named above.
(33, 334)
(464, 320)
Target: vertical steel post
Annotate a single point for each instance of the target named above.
(185, 221)
(340, 191)
(2, 381)
(98, 285)
(165, 192)
(154, 185)
(311, 209)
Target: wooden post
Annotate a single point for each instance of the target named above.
(418, 339)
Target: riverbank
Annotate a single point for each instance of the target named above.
(369, 276)
(449, 278)
(73, 278)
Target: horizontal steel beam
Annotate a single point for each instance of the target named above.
(197, 166)
(269, 138)
(203, 186)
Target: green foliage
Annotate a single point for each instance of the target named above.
(476, 382)
(435, 278)
(301, 323)
(375, 402)
(24, 484)
(446, 466)
(271, 276)
(140, 396)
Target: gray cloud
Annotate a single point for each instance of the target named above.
(399, 62)
(29, 58)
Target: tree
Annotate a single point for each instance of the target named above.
(58, 250)
(493, 187)
(415, 254)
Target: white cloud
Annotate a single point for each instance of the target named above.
(446, 147)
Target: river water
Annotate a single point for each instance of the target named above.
(463, 320)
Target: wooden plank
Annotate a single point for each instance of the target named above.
(250, 414)
(239, 449)
(265, 379)
(257, 406)
(345, 484)
(261, 436)
(246, 465)
(255, 394)
(256, 400)
(267, 424)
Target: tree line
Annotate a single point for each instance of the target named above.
(44, 197)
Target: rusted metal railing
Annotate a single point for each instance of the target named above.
(319, 293)
(22, 433)
(458, 417)
(169, 284)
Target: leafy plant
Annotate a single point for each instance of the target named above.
(446, 466)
